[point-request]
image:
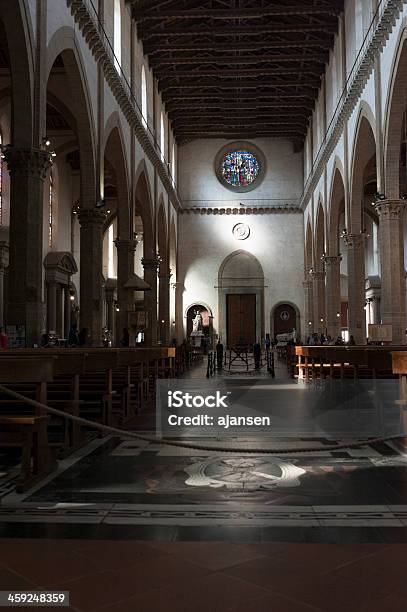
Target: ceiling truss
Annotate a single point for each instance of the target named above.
(238, 68)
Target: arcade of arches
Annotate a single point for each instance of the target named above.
(114, 219)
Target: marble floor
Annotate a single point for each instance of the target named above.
(128, 525)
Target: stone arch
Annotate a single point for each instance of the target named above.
(14, 17)
(241, 274)
(173, 248)
(295, 308)
(395, 112)
(113, 150)
(253, 263)
(207, 321)
(308, 247)
(63, 43)
(337, 206)
(364, 149)
(143, 204)
(162, 230)
(319, 248)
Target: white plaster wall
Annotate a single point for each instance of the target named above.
(275, 239)
(198, 183)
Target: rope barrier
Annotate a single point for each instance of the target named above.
(123, 433)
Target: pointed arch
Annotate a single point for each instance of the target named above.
(308, 247)
(14, 17)
(336, 208)
(144, 207)
(395, 113)
(319, 248)
(173, 248)
(363, 151)
(245, 257)
(63, 43)
(162, 230)
(114, 152)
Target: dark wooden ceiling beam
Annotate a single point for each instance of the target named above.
(233, 73)
(333, 10)
(235, 98)
(302, 59)
(259, 125)
(252, 114)
(240, 46)
(284, 133)
(246, 31)
(237, 69)
(184, 107)
(308, 85)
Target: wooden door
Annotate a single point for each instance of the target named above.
(241, 319)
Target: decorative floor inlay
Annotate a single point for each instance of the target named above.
(115, 483)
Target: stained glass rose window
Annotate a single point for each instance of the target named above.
(240, 168)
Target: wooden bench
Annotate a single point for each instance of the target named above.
(27, 431)
(344, 361)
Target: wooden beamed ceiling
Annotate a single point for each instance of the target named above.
(238, 68)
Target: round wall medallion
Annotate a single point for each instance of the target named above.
(284, 315)
(240, 166)
(241, 231)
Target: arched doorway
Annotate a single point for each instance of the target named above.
(284, 319)
(207, 322)
(241, 299)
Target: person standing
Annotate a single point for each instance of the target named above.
(3, 339)
(125, 339)
(219, 355)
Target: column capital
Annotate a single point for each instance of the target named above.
(150, 263)
(317, 275)
(125, 244)
(355, 241)
(91, 216)
(390, 209)
(332, 260)
(27, 161)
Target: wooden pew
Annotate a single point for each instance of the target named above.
(28, 429)
(344, 361)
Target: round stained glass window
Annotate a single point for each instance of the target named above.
(240, 168)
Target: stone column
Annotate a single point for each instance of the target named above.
(59, 310)
(4, 249)
(91, 312)
(333, 295)
(125, 268)
(309, 307)
(318, 291)
(150, 299)
(110, 299)
(178, 332)
(52, 306)
(67, 311)
(28, 169)
(376, 316)
(391, 244)
(356, 287)
(164, 279)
